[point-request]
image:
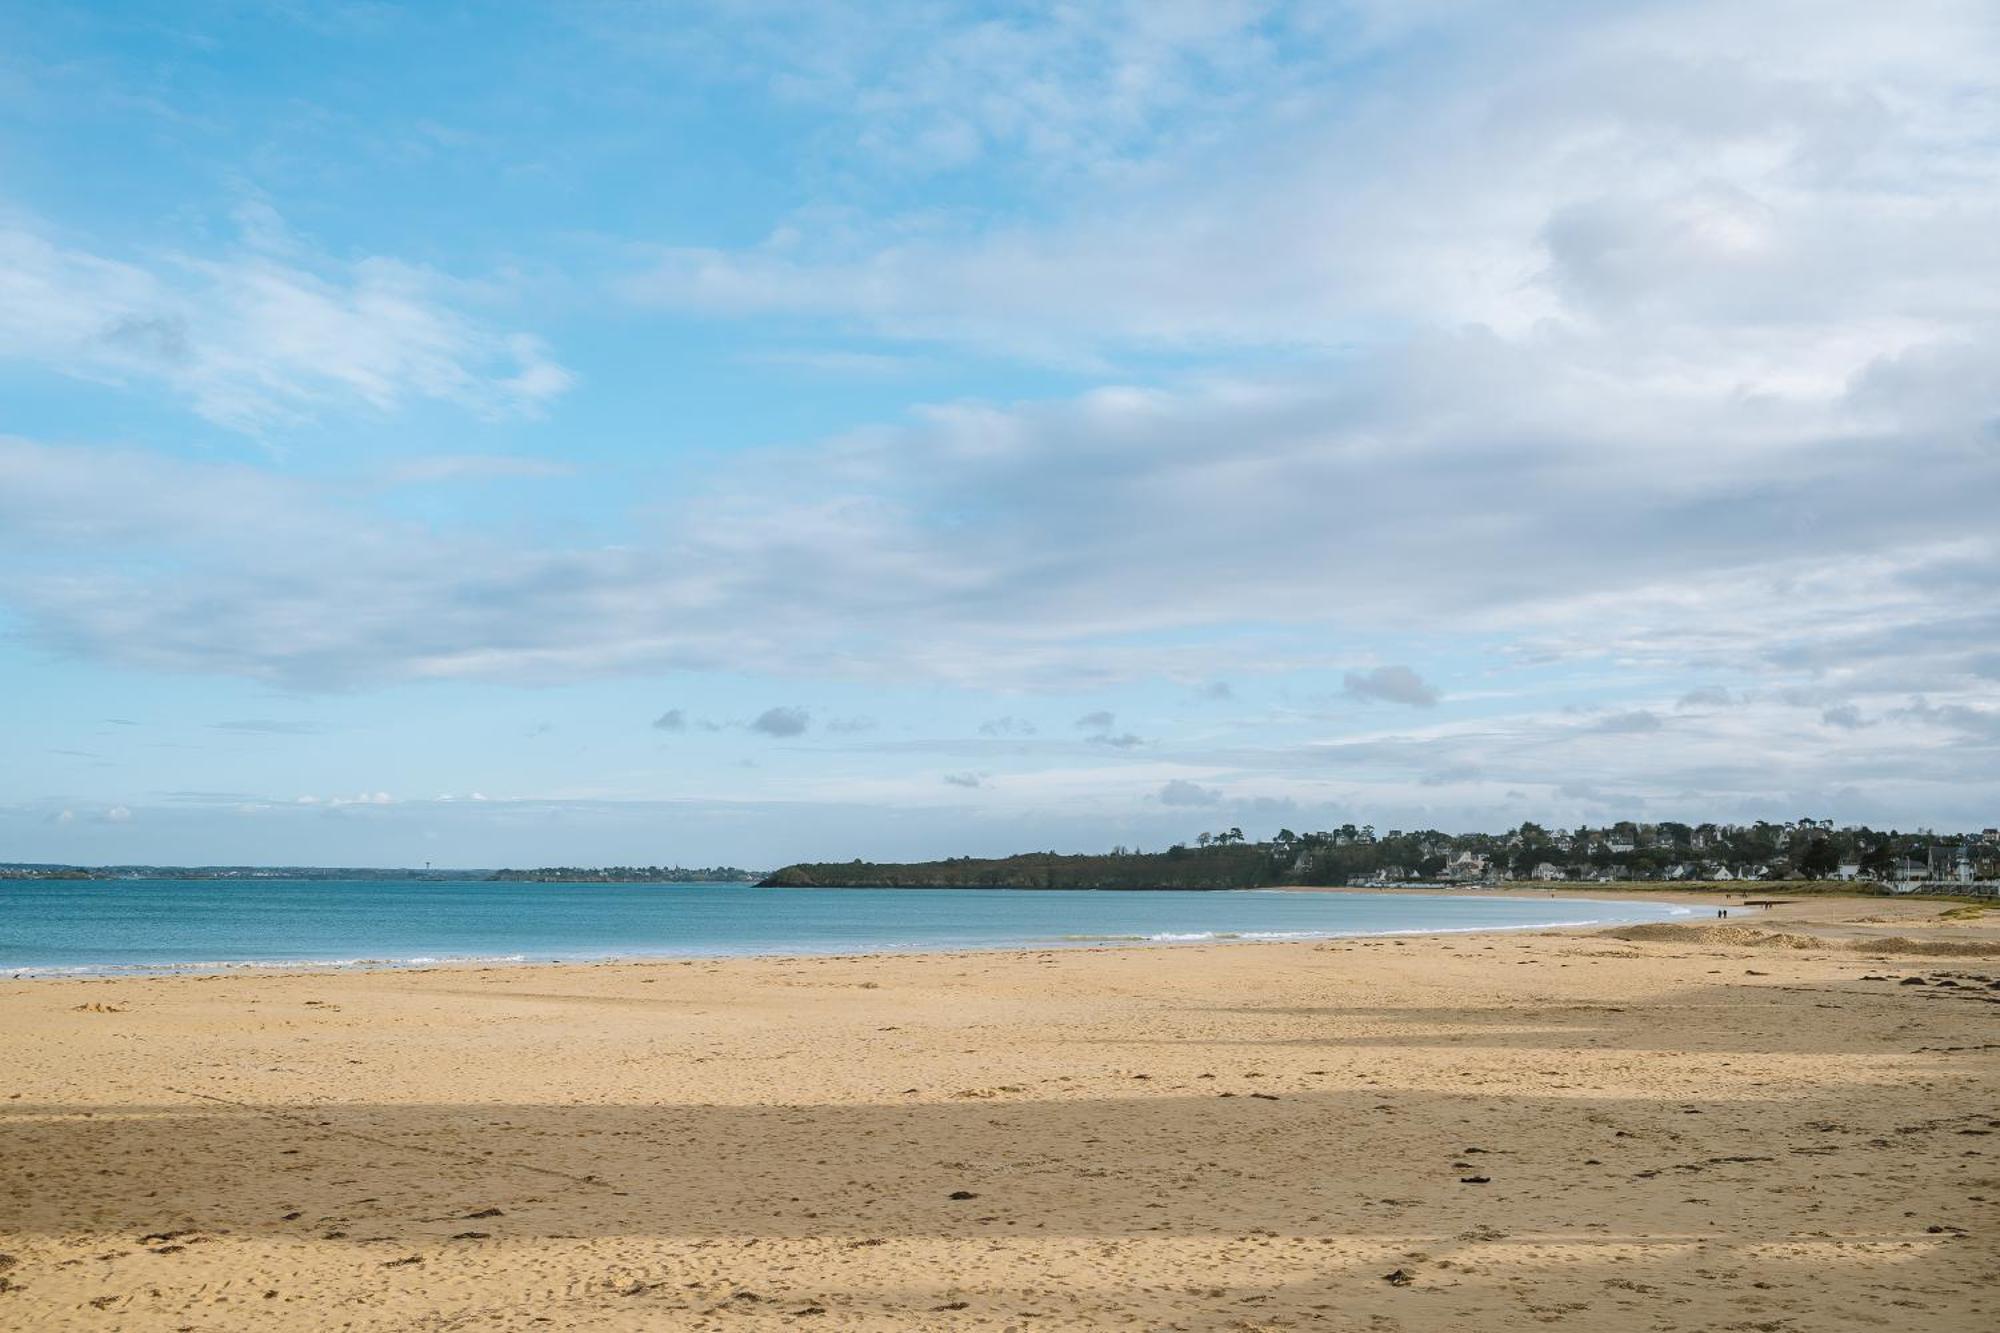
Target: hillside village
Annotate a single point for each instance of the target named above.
(1806, 849)
(1357, 856)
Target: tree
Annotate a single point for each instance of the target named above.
(1819, 859)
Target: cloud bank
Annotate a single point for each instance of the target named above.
(1646, 347)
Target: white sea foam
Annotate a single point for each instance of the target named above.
(1201, 936)
(253, 965)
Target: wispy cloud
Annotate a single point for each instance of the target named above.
(1706, 696)
(254, 335)
(1628, 723)
(1582, 346)
(1048, 89)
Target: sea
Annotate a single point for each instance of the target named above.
(138, 926)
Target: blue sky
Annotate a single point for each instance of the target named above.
(745, 431)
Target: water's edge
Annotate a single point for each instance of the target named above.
(293, 928)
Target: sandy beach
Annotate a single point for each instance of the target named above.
(1764, 1125)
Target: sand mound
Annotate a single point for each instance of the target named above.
(1749, 937)
(1741, 936)
(1928, 948)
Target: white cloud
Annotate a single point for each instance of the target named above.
(342, 802)
(1648, 337)
(258, 336)
(1042, 88)
(1638, 177)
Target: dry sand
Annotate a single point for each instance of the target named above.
(1674, 1131)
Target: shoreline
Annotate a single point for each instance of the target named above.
(1156, 940)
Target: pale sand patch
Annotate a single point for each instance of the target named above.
(1677, 1133)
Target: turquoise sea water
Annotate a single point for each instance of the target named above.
(142, 925)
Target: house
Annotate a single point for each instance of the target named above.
(1847, 870)
(1620, 846)
(1548, 871)
(1950, 863)
(1465, 865)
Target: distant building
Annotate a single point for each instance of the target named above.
(1950, 864)
(1464, 866)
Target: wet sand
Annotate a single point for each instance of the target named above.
(1760, 1128)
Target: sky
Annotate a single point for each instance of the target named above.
(743, 431)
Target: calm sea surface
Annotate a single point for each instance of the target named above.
(89, 926)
